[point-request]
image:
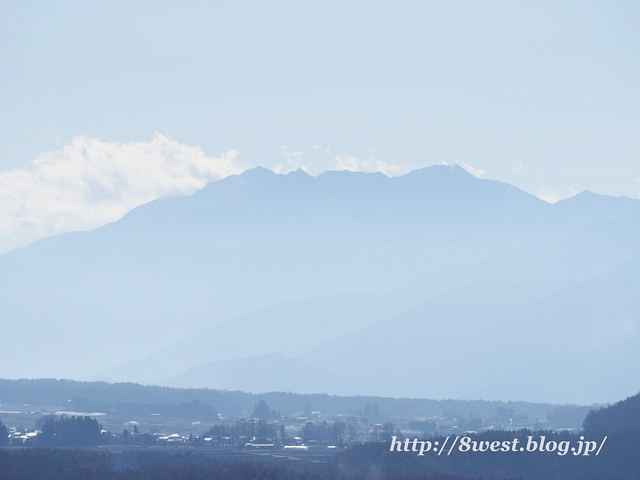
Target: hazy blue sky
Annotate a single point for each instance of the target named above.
(543, 95)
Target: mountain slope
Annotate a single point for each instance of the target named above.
(577, 344)
(82, 302)
(289, 328)
(293, 327)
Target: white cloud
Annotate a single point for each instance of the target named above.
(293, 159)
(638, 180)
(369, 164)
(521, 167)
(518, 169)
(88, 183)
(326, 150)
(553, 196)
(476, 172)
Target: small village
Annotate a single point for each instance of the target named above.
(261, 429)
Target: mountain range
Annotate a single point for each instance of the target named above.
(434, 284)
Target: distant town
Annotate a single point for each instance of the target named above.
(240, 420)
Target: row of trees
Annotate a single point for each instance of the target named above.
(192, 409)
(337, 433)
(64, 431)
(252, 430)
(71, 431)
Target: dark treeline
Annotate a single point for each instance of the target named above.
(618, 458)
(193, 409)
(47, 392)
(623, 416)
(237, 404)
(43, 459)
(55, 464)
(360, 463)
